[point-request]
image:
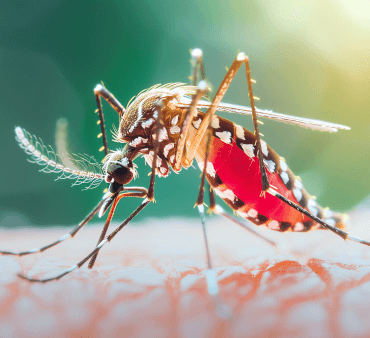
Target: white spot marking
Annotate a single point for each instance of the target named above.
(175, 130)
(248, 149)
(239, 131)
(155, 114)
(224, 136)
(252, 213)
(227, 194)
(139, 140)
(201, 208)
(242, 214)
(283, 165)
(215, 122)
(285, 177)
(175, 120)
(167, 148)
(210, 168)
(298, 227)
(311, 206)
(298, 183)
(270, 165)
(274, 225)
(172, 158)
(197, 123)
(163, 170)
(264, 148)
(147, 123)
(163, 135)
(297, 194)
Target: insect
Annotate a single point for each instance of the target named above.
(166, 125)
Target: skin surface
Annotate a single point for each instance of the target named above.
(149, 281)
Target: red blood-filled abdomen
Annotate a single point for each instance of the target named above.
(241, 174)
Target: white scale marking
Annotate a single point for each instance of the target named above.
(252, 213)
(311, 206)
(175, 120)
(210, 168)
(242, 214)
(167, 148)
(138, 140)
(227, 194)
(197, 123)
(175, 130)
(239, 131)
(147, 123)
(274, 225)
(224, 136)
(298, 183)
(248, 149)
(270, 165)
(283, 165)
(264, 148)
(215, 122)
(285, 177)
(297, 194)
(298, 227)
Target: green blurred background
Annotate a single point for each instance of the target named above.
(310, 58)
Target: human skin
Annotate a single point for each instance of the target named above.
(149, 281)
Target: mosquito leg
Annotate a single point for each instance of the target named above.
(140, 194)
(69, 235)
(96, 250)
(101, 91)
(191, 113)
(159, 125)
(337, 231)
(218, 210)
(241, 58)
(198, 67)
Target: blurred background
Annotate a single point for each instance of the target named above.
(310, 58)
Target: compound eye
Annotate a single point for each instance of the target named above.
(121, 171)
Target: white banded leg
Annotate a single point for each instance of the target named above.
(95, 251)
(335, 230)
(101, 91)
(60, 240)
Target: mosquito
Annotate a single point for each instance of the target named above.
(170, 126)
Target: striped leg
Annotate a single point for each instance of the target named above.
(141, 193)
(60, 240)
(95, 251)
(203, 129)
(198, 68)
(101, 91)
(335, 230)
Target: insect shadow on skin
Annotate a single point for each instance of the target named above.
(165, 125)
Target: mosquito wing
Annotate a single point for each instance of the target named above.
(300, 121)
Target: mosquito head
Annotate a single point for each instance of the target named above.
(119, 169)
